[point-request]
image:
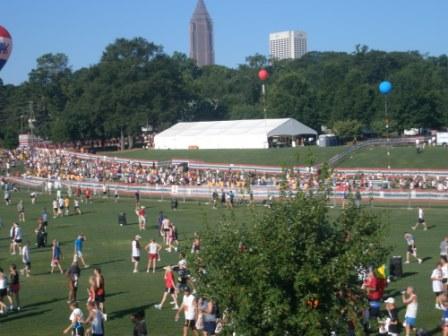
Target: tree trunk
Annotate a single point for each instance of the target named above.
(130, 141)
(121, 140)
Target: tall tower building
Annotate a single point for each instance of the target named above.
(201, 36)
(287, 45)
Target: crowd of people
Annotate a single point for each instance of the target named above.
(59, 165)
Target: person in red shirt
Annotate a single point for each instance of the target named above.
(170, 289)
(374, 287)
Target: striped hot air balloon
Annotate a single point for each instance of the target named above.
(5, 46)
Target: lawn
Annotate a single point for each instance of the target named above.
(44, 297)
(275, 156)
(401, 157)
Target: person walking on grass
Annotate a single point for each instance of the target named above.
(409, 299)
(76, 321)
(420, 220)
(66, 206)
(56, 256)
(26, 260)
(437, 284)
(135, 246)
(170, 289)
(95, 319)
(21, 211)
(73, 274)
(76, 207)
(190, 309)
(79, 246)
(153, 250)
(15, 234)
(411, 248)
(100, 291)
(14, 288)
(3, 291)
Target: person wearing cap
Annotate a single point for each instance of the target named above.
(190, 308)
(393, 327)
(136, 252)
(170, 288)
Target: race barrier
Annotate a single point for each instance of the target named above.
(260, 193)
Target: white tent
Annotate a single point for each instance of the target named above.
(229, 134)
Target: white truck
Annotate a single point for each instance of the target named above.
(442, 139)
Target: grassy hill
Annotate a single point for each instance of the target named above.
(277, 157)
(401, 157)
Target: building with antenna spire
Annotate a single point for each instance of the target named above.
(201, 36)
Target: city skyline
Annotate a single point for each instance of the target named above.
(241, 28)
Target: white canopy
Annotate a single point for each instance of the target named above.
(229, 134)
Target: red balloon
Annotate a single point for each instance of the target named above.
(263, 74)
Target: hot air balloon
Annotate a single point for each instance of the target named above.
(5, 46)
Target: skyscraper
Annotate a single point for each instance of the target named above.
(287, 45)
(201, 36)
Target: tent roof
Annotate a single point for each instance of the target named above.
(261, 127)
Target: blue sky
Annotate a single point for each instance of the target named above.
(82, 29)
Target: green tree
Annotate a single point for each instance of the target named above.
(347, 129)
(290, 270)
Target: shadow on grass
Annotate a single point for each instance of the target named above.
(106, 262)
(42, 303)
(21, 315)
(127, 312)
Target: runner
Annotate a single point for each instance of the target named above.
(56, 256)
(95, 319)
(14, 288)
(76, 321)
(100, 291)
(79, 245)
(189, 307)
(138, 319)
(141, 214)
(208, 310)
(76, 207)
(410, 301)
(66, 206)
(26, 259)
(55, 208)
(437, 284)
(136, 252)
(153, 250)
(33, 196)
(91, 290)
(411, 248)
(7, 197)
(60, 207)
(170, 289)
(21, 211)
(420, 220)
(3, 291)
(73, 274)
(116, 196)
(15, 234)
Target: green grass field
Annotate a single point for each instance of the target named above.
(277, 157)
(374, 157)
(401, 157)
(44, 296)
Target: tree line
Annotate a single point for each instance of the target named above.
(136, 84)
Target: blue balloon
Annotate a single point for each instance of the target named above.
(385, 87)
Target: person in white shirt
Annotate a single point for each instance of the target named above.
(421, 220)
(76, 321)
(15, 233)
(3, 291)
(189, 307)
(437, 284)
(26, 259)
(136, 252)
(153, 250)
(409, 299)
